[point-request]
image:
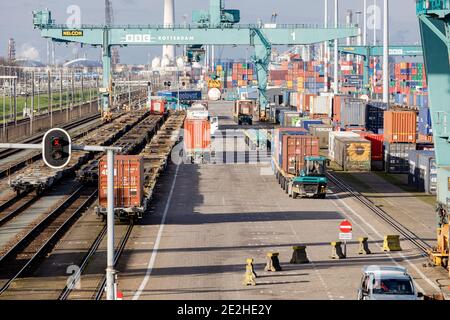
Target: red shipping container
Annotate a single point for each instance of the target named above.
(376, 141)
(400, 126)
(197, 135)
(276, 137)
(157, 106)
(295, 148)
(128, 181)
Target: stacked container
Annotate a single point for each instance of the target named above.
(423, 172)
(349, 112)
(321, 106)
(332, 137)
(321, 131)
(352, 153)
(400, 138)
(375, 116)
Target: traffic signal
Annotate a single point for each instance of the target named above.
(56, 148)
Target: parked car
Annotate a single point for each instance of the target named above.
(387, 283)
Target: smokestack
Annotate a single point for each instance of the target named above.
(169, 20)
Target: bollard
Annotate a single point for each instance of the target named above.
(391, 243)
(250, 275)
(363, 246)
(336, 252)
(273, 263)
(299, 255)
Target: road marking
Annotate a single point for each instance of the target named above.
(421, 274)
(151, 262)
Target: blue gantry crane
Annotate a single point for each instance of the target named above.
(434, 22)
(217, 26)
(376, 51)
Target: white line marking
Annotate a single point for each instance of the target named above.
(151, 262)
(422, 275)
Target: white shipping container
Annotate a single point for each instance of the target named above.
(293, 97)
(331, 137)
(321, 105)
(197, 111)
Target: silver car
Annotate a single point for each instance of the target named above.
(387, 283)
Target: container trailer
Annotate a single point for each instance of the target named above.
(352, 153)
(290, 153)
(243, 111)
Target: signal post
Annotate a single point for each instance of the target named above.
(57, 150)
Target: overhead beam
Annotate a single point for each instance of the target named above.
(185, 36)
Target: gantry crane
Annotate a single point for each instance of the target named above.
(217, 26)
(434, 22)
(376, 51)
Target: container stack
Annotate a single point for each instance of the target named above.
(422, 171)
(399, 139)
(234, 74)
(375, 116)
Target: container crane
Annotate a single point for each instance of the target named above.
(434, 22)
(218, 26)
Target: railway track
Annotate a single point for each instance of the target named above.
(97, 248)
(9, 168)
(20, 259)
(22, 256)
(400, 228)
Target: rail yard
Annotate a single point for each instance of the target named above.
(316, 169)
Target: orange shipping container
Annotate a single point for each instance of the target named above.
(295, 149)
(197, 135)
(400, 126)
(128, 181)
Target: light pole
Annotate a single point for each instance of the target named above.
(325, 48)
(386, 52)
(336, 83)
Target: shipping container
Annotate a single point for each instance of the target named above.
(400, 126)
(427, 179)
(375, 116)
(376, 141)
(321, 105)
(348, 111)
(128, 181)
(157, 105)
(396, 156)
(291, 118)
(277, 136)
(197, 111)
(352, 153)
(322, 132)
(197, 135)
(424, 121)
(293, 150)
(305, 123)
(333, 135)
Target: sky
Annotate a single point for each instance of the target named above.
(16, 22)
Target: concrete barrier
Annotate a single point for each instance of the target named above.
(273, 263)
(299, 255)
(336, 250)
(363, 245)
(391, 243)
(250, 274)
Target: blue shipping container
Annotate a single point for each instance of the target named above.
(424, 121)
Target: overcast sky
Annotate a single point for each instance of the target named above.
(16, 21)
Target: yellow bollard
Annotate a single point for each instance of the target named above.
(273, 263)
(336, 252)
(391, 243)
(299, 255)
(250, 275)
(363, 246)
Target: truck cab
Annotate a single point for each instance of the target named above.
(387, 283)
(243, 111)
(311, 181)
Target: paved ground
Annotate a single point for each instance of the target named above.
(209, 218)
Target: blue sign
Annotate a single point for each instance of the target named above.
(182, 94)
